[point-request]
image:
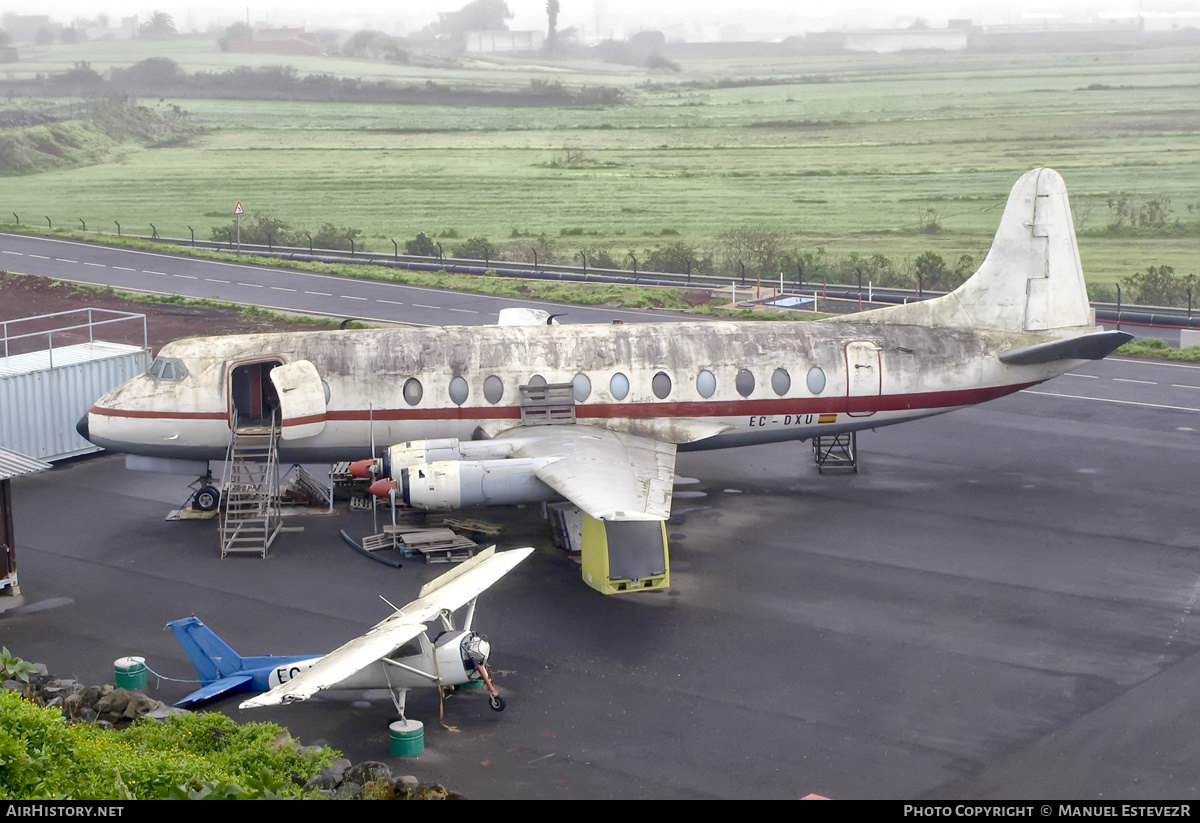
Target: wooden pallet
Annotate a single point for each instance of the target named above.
(434, 545)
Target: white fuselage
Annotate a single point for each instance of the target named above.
(698, 385)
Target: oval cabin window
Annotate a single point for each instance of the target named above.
(706, 383)
(493, 389)
(619, 386)
(781, 381)
(412, 391)
(816, 380)
(459, 391)
(582, 387)
(661, 384)
(744, 382)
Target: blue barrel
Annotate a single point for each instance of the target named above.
(407, 738)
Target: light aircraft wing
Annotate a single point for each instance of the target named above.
(610, 475)
(449, 591)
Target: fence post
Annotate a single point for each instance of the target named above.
(395, 249)
(634, 259)
(532, 249)
(18, 217)
(351, 239)
(118, 228)
(82, 223)
(743, 265)
(49, 225)
(441, 254)
(309, 236)
(154, 230)
(584, 256)
(1118, 307)
(688, 261)
(193, 231)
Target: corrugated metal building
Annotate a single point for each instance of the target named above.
(44, 393)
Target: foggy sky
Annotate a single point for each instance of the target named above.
(690, 19)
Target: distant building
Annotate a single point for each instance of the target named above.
(884, 41)
(24, 28)
(492, 42)
(278, 41)
(127, 29)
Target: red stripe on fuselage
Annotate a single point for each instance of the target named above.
(723, 408)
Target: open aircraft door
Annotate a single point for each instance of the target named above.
(301, 399)
(864, 375)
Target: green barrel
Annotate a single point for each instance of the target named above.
(408, 738)
(130, 673)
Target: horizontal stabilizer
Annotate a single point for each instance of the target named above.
(1093, 346)
(236, 683)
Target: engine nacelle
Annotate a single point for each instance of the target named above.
(415, 452)
(456, 484)
(459, 656)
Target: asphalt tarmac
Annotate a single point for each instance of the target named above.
(1001, 604)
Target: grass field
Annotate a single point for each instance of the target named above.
(841, 152)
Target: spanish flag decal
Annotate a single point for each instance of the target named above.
(827, 418)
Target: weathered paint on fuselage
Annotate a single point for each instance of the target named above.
(919, 370)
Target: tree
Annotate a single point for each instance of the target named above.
(932, 272)
(234, 31)
(480, 15)
(1159, 286)
(552, 31)
(421, 245)
(158, 24)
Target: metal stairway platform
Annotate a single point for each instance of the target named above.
(250, 515)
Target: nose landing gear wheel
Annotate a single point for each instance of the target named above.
(496, 702)
(207, 498)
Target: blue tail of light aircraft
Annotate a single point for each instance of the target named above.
(221, 669)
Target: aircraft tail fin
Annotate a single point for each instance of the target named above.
(212, 656)
(1031, 279)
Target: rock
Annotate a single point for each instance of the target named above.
(367, 771)
(330, 776)
(115, 702)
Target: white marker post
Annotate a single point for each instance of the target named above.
(237, 217)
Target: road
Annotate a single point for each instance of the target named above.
(273, 288)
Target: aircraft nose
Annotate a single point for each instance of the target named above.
(82, 428)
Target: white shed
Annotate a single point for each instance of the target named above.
(44, 391)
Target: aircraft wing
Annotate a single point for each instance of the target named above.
(449, 591)
(610, 475)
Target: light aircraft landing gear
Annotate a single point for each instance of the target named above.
(495, 701)
(837, 452)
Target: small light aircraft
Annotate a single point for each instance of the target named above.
(511, 414)
(400, 645)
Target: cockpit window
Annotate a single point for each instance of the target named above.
(167, 368)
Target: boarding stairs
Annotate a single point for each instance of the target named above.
(836, 452)
(250, 511)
